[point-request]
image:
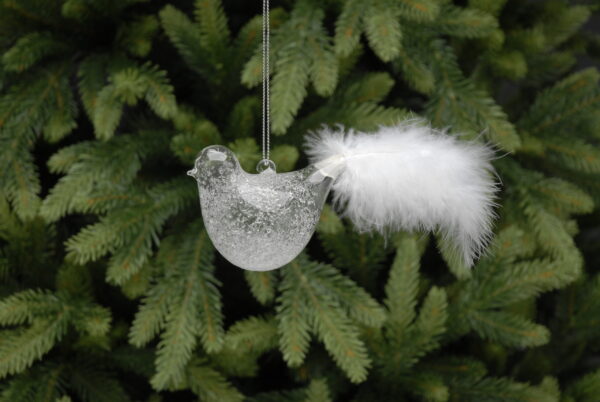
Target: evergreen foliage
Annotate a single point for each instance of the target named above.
(110, 289)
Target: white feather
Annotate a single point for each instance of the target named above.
(412, 177)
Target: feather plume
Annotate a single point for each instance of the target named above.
(411, 177)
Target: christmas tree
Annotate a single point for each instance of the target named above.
(110, 289)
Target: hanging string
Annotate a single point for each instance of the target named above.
(266, 100)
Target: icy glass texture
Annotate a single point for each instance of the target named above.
(259, 221)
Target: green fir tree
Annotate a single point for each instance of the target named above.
(110, 289)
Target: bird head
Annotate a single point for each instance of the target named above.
(214, 164)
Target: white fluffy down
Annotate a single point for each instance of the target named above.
(412, 177)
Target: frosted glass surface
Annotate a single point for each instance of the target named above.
(259, 221)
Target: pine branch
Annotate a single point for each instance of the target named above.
(549, 229)
(75, 281)
(431, 321)
(493, 7)
(247, 152)
(507, 328)
(359, 304)
(262, 285)
(509, 64)
(78, 10)
(467, 22)
(209, 384)
(40, 383)
(93, 383)
(419, 10)
(355, 106)
(92, 75)
(196, 133)
(521, 281)
(561, 22)
(63, 119)
(285, 157)
(27, 105)
(243, 118)
(574, 154)
(128, 86)
(402, 285)
(549, 67)
(150, 317)
(585, 389)
(108, 110)
(20, 308)
(329, 222)
(187, 38)
(564, 196)
(426, 386)
(212, 22)
(252, 335)
(318, 391)
(560, 106)
(407, 345)
(414, 69)
(324, 68)
(296, 395)
(159, 92)
(19, 179)
(496, 390)
(578, 306)
(193, 313)
(47, 316)
(294, 66)
(362, 254)
(348, 27)
(127, 358)
(129, 233)
(92, 167)
(281, 38)
(294, 320)
(341, 340)
(551, 234)
(452, 257)
(91, 319)
(455, 368)
(248, 39)
(179, 338)
(372, 87)
(288, 88)
(109, 8)
(510, 244)
(20, 348)
(359, 116)
(210, 305)
(30, 49)
(325, 315)
(137, 35)
(459, 104)
(138, 284)
(383, 29)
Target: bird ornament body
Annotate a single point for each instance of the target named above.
(258, 221)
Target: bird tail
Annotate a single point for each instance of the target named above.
(411, 177)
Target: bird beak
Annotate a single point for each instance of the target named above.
(193, 173)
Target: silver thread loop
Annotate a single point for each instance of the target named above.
(266, 99)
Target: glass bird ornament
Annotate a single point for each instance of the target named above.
(261, 221)
(405, 177)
